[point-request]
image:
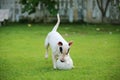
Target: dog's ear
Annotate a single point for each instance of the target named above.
(70, 43)
(60, 43)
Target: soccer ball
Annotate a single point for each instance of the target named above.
(68, 64)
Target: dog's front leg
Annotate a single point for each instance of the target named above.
(46, 46)
(54, 61)
(46, 54)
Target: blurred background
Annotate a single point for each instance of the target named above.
(89, 11)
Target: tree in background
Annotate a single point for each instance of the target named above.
(115, 11)
(30, 5)
(103, 6)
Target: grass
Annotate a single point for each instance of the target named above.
(95, 52)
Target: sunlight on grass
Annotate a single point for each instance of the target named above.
(95, 52)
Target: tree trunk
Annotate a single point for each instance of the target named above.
(103, 9)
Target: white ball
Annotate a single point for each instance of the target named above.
(68, 64)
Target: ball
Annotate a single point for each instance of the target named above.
(68, 64)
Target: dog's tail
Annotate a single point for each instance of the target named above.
(57, 24)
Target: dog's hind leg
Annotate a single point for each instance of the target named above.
(46, 46)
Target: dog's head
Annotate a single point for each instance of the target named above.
(64, 49)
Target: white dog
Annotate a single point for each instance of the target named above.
(60, 47)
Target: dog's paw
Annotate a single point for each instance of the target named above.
(46, 55)
(54, 67)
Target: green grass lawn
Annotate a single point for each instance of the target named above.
(95, 52)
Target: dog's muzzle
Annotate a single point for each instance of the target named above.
(62, 60)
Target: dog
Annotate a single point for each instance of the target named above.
(60, 47)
